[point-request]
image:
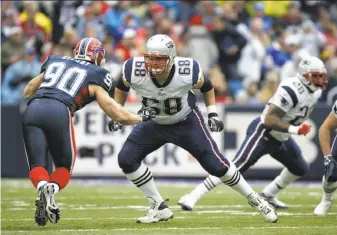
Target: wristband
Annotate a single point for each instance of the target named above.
(293, 129)
(211, 109)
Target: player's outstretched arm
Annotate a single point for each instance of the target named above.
(273, 121)
(328, 125)
(114, 110)
(121, 91)
(206, 87)
(32, 86)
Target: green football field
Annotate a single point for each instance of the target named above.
(112, 208)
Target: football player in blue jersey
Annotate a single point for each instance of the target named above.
(329, 180)
(164, 83)
(64, 86)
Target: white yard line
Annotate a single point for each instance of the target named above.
(93, 207)
(114, 229)
(226, 214)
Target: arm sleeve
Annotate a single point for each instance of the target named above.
(121, 86)
(284, 99)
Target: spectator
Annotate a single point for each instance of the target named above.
(230, 43)
(330, 95)
(9, 19)
(112, 63)
(91, 24)
(269, 88)
(289, 69)
(253, 53)
(293, 18)
(222, 91)
(259, 11)
(34, 23)
(64, 18)
(311, 39)
(17, 77)
(281, 50)
(114, 19)
(126, 46)
(248, 95)
(13, 49)
(207, 54)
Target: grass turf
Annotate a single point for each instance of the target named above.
(113, 209)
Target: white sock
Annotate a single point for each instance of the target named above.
(280, 182)
(143, 179)
(207, 185)
(235, 180)
(328, 189)
(56, 187)
(40, 184)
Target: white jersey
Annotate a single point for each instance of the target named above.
(171, 99)
(294, 98)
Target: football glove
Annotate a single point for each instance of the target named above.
(303, 129)
(147, 113)
(330, 165)
(114, 126)
(214, 123)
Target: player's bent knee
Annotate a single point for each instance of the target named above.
(301, 170)
(218, 171)
(127, 164)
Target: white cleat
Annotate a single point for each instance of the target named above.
(41, 217)
(266, 210)
(277, 204)
(51, 208)
(323, 207)
(187, 202)
(158, 212)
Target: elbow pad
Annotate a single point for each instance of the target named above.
(121, 86)
(207, 86)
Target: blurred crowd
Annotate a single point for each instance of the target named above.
(244, 47)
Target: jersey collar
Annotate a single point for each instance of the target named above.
(168, 80)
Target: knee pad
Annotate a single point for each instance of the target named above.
(126, 162)
(218, 171)
(300, 170)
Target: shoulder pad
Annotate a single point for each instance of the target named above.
(197, 72)
(127, 69)
(291, 93)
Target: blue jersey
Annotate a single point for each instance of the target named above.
(67, 80)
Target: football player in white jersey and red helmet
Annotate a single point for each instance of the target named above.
(284, 115)
(164, 82)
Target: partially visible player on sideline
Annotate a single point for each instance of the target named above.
(270, 133)
(329, 181)
(64, 86)
(164, 83)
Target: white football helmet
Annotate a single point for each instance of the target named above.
(160, 54)
(312, 73)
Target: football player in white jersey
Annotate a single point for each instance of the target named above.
(164, 82)
(271, 133)
(329, 180)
